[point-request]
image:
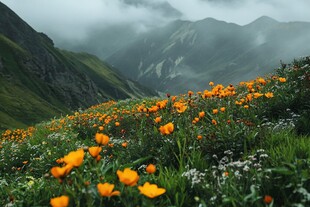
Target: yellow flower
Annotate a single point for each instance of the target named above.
(102, 139)
(62, 201)
(75, 158)
(211, 83)
(106, 190)
(94, 151)
(166, 129)
(128, 176)
(151, 169)
(151, 190)
(61, 172)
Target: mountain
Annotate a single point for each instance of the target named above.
(187, 55)
(104, 40)
(39, 81)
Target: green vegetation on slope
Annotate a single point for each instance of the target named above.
(39, 81)
(245, 145)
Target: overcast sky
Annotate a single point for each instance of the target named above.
(67, 17)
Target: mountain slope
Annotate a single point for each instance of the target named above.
(187, 55)
(39, 81)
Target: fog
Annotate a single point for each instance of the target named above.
(75, 19)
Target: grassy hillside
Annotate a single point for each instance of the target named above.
(39, 81)
(20, 101)
(29, 94)
(242, 145)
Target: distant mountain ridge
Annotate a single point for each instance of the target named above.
(39, 81)
(187, 55)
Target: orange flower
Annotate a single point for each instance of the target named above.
(124, 144)
(94, 151)
(166, 129)
(261, 81)
(282, 80)
(101, 128)
(151, 168)
(211, 83)
(128, 176)
(181, 107)
(61, 172)
(214, 122)
(249, 97)
(190, 93)
(268, 199)
(151, 190)
(202, 114)
(222, 109)
(75, 158)
(215, 111)
(102, 139)
(62, 201)
(157, 119)
(106, 190)
(117, 124)
(257, 95)
(269, 95)
(199, 137)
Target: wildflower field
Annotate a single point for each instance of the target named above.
(235, 145)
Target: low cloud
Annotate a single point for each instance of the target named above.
(74, 19)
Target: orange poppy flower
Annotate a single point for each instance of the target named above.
(268, 199)
(222, 109)
(202, 114)
(282, 80)
(124, 144)
(106, 190)
(151, 190)
(151, 169)
(75, 158)
(102, 139)
(257, 95)
(157, 119)
(269, 95)
(61, 172)
(166, 129)
(94, 151)
(128, 176)
(215, 111)
(214, 122)
(62, 201)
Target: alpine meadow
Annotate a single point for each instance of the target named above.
(75, 131)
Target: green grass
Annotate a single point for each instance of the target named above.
(253, 148)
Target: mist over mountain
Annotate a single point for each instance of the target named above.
(187, 55)
(39, 81)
